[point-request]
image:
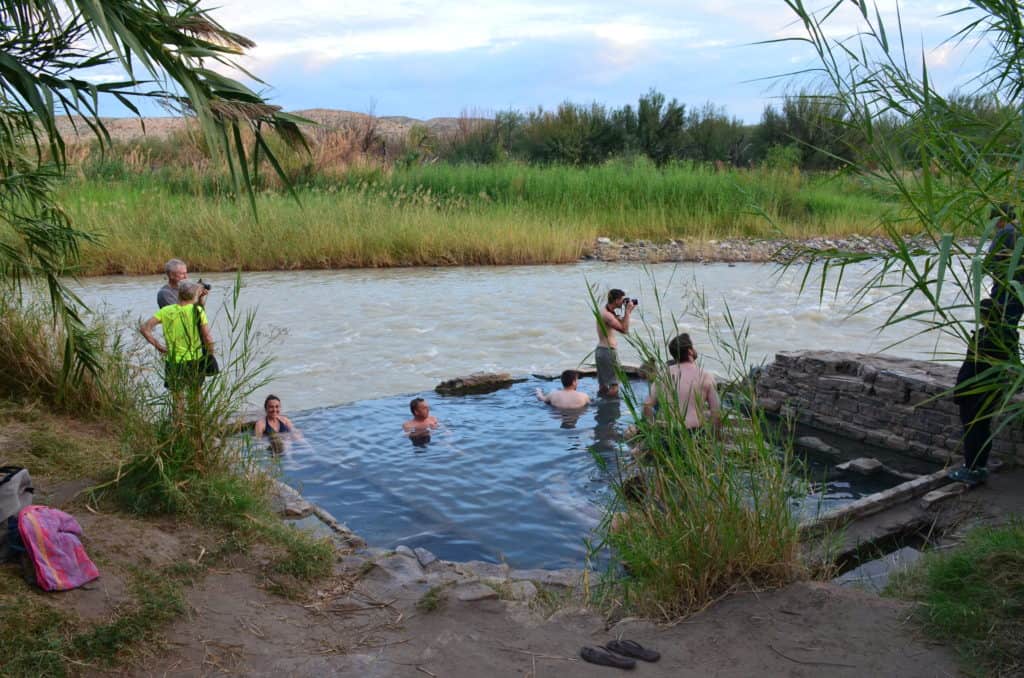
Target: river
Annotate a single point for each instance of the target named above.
(367, 333)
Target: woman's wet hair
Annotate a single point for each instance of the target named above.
(413, 403)
(568, 377)
(187, 290)
(615, 295)
(269, 399)
(679, 348)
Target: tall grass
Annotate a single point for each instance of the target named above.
(172, 460)
(449, 214)
(183, 459)
(973, 599)
(701, 514)
(32, 353)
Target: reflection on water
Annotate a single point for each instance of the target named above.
(368, 345)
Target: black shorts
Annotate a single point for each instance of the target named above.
(184, 375)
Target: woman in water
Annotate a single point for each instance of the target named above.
(274, 423)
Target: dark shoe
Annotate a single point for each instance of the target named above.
(631, 648)
(602, 657)
(959, 474)
(977, 476)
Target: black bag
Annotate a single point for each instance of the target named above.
(207, 362)
(15, 494)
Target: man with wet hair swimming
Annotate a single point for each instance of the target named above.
(606, 354)
(567, 397)
(422, 421)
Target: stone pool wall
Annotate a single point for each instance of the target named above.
(895, 403)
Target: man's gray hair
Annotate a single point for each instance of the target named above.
(187, 290)
(173, 264)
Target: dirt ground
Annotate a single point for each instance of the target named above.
(364, 621)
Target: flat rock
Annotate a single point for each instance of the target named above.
(478, 382)
(562, 578)
(865, 466)
(482, 570)
(942, 494)
(523, 590)
(400, 568)
(472, 592)
(424, 556)
(287, 501)
(404, 550)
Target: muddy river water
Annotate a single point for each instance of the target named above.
(357, 334)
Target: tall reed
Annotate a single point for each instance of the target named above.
(698, 514)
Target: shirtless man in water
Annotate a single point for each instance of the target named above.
(605, 355)
(567, 397)
(695, 390)
(422, 421)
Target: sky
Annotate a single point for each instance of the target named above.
(443, 58)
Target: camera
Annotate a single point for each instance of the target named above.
(206, 285)
(636, 302)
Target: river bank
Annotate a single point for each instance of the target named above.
(734, 250)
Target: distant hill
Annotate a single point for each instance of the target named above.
(390, 127)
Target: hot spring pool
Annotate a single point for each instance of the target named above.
(507, 478)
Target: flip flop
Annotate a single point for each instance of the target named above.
(631, 648)
(602, 657)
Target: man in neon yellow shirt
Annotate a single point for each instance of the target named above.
(185, 331)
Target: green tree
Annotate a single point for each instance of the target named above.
(170, 51)
(968, 157)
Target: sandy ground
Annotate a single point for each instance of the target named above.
(364, 622)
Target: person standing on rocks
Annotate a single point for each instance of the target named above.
(979, 391)
(606, 354)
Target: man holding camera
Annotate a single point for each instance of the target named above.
(176, 272)
(606, 354)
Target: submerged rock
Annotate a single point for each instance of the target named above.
(818, 445)
(862, 465)
(478, 382)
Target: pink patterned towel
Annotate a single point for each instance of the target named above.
(51, 539)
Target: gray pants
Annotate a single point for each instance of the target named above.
(607, 360)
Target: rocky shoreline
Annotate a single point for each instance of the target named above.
(747, 250)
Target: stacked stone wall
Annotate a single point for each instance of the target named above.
(895, 403)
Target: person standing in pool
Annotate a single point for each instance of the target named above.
(693, 388)
(567, 397)
(422, 422)
(274, 423)
(606, 354)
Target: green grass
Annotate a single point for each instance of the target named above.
(432, 600)
(698, 515)
(449, 214)
(972, 598)
(41, 640)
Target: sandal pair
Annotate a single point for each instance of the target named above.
(619, 654)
